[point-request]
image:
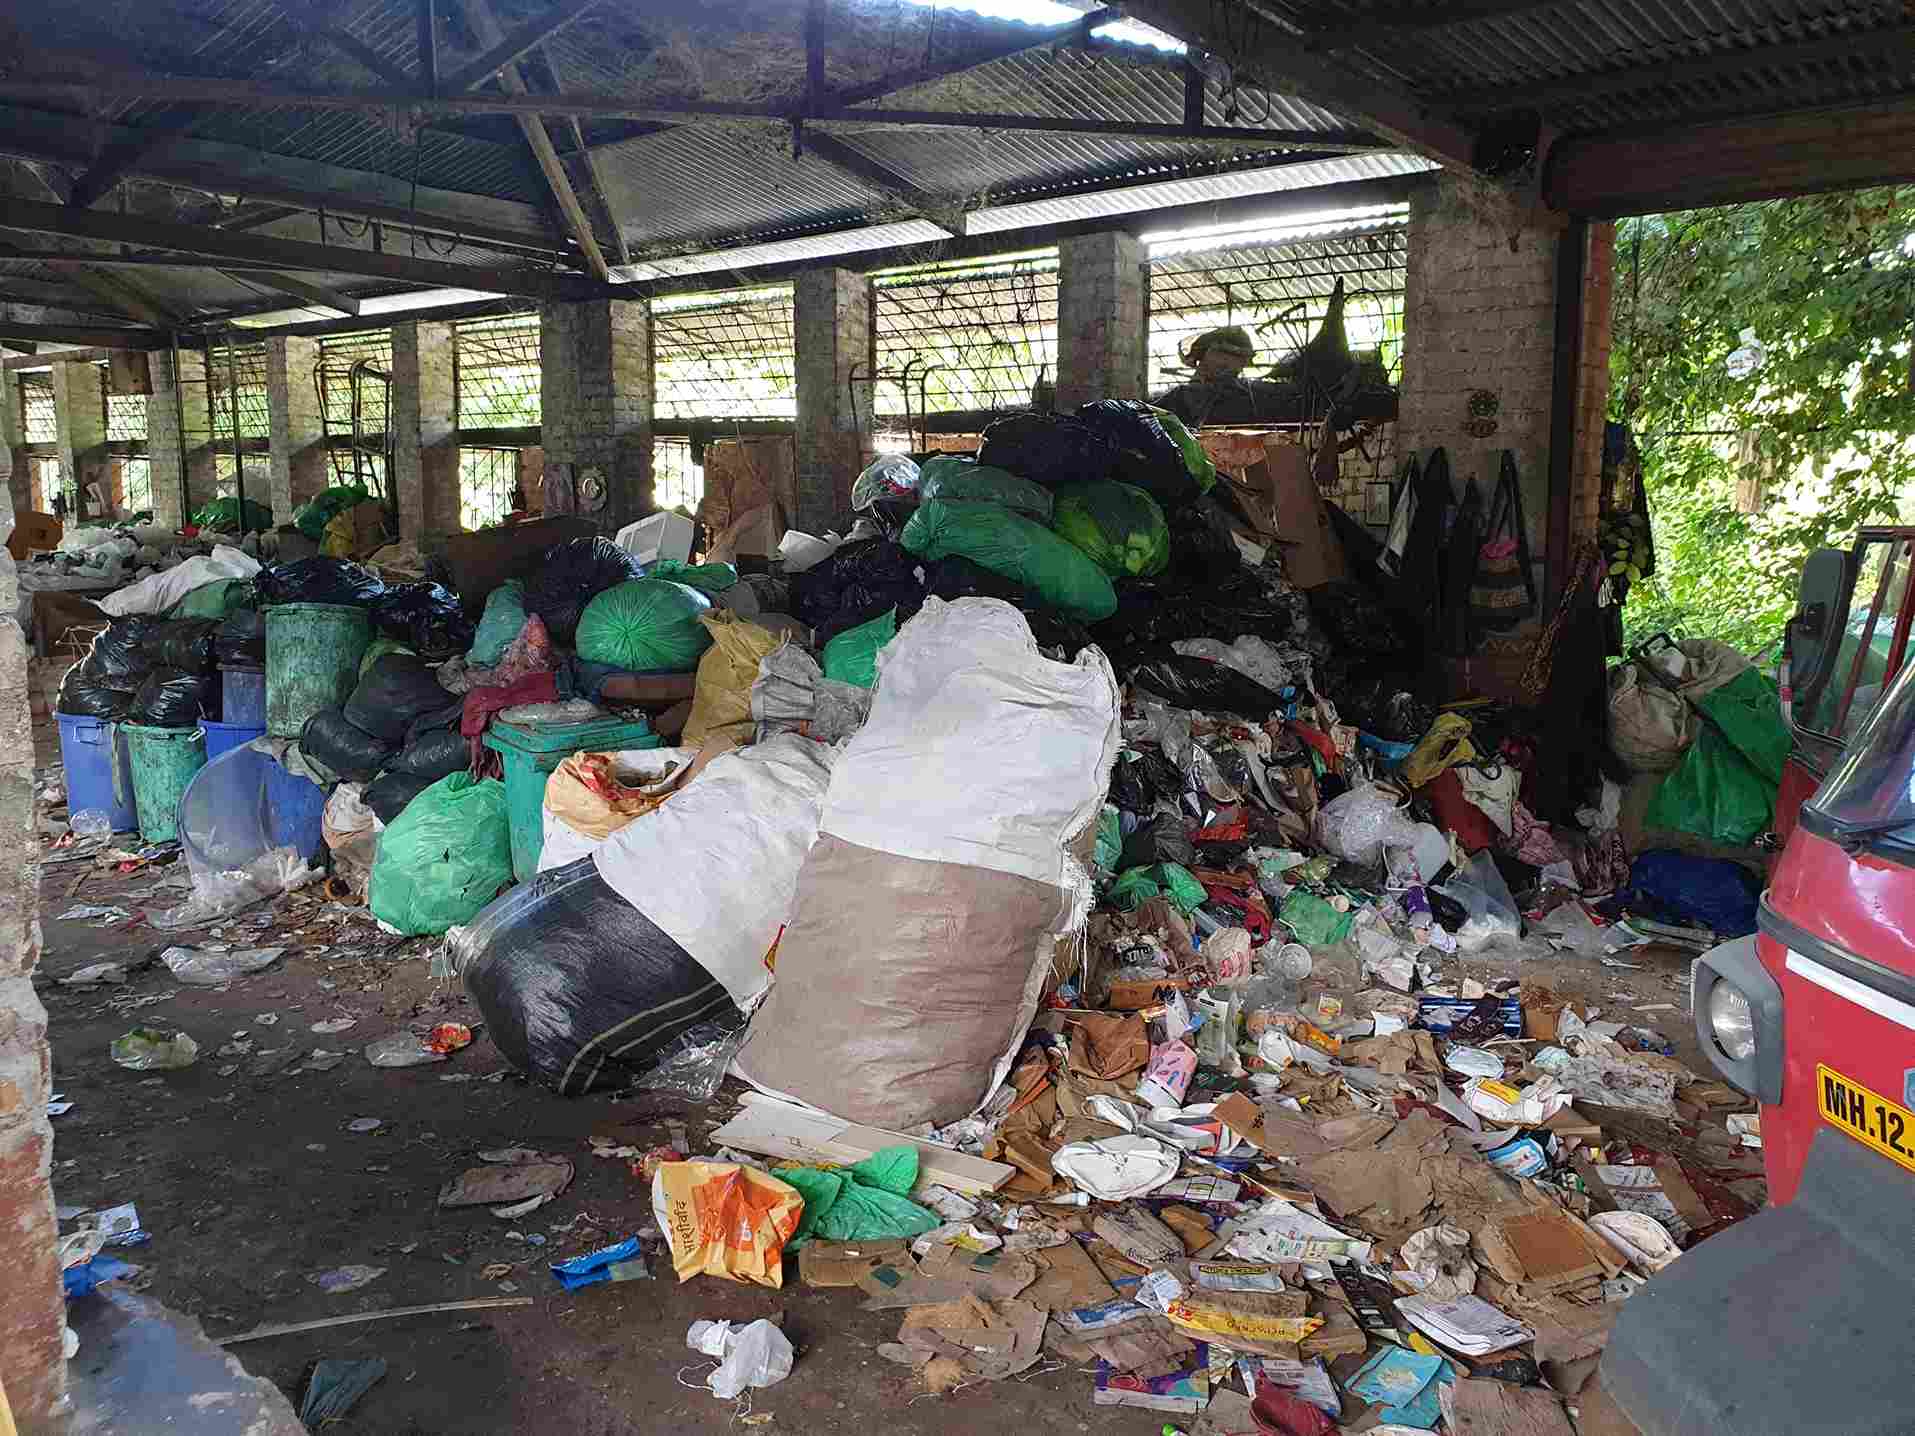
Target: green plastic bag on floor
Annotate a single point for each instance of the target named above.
(852, 657)
(645, 625)
(1119, 527)
(501, 622)
(863, 1203)
(967, 481)
(1137, 886)
(1011, 546)
(443, 858)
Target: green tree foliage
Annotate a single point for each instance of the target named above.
(1824, 288)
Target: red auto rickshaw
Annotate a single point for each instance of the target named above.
(1796, 1320)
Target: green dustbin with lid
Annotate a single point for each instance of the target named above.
(528, 753)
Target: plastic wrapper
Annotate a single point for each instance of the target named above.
(1048, 567)
(241, 639)
(1255, 658)
(197, 967)
(889, 476)
(444, 858)
(171, 698)
(351, 831)
(226, 838)
(146, 1049)
(426, 617)
(1358, 825)
(561, 963)
(646, 625)
(867, 1201)
(569, 576)
(389, 794)
(1490, 911)
(693, 1066)
(394, 691)
(331, 739)
(1047, 448)
(722, 1219)
(319, 580)
(1206, 687)
(951, 477)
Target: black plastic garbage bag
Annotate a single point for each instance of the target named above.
(389, 793)
(569, 576)
(184, 643)
(119, 650)
(174, 698)
(1140, 778)
(427, 617)
(1360, 626)
(1147, 455)
(354, 754)
(84, 696)
(578, 988)
(433, 755)
(319, 580)
(1048, 448)
(394, 691)
(241, 638)
(435, 721)
(1207, 687)
(855, 585)
(1161, 840)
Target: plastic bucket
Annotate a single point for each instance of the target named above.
(243, 694)
(224, 737)
(312, 660)
(164, 761)
(527, 755)
(93, 752)
(296, 806)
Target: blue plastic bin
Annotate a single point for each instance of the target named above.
(224, 737)
(93, 752)
(296, 805)
(243, 694)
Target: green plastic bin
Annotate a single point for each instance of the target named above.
(164, 761)
(312, 660)
(528, 752)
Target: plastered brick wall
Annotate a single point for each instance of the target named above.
(832, 333)
(596, 398)
(425, 460)
(1101, 299)
(163, 435)
(32, 1312)
(13, 451)
(80, 406)
(298, 437)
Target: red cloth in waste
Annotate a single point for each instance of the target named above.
(1455, 813)
(482, 703)
(1278, 1412)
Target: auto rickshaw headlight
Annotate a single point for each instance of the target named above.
(1732, 1022)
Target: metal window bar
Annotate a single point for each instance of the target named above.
(136, 485)
(975, 336)
(236, 384)
(1279, 289)
(348, 377)
(126, 418)
(496, 372)
(488, 479)
(725, 354)
(39, 415)
(259, 478)
(677, 481)
(46, 482)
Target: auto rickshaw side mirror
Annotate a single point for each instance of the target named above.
(1817, 611)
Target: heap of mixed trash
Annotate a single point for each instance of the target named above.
(1121, 955)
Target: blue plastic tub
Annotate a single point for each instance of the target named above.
(93, 752)
(296, 805)
(243, 694)
(224, 737)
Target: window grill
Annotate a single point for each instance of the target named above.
(39, 416)
(334, 381)
(677, 482)
(487, 478)
(236, 384)
(496, 363)
(726, 354)
(975, 335)
(136, 485)
(1278, 287)
(259, 478)
(126, 418)
(45, 481)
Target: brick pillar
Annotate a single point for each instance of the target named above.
(833, 333)
(79, 397)
(32, 1313)
(1592, 398)
(425, 432)
(298, 438)
(169, 405)
(596, 398)
(13, 443)
(1100, 318)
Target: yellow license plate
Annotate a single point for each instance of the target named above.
(1868, 1117)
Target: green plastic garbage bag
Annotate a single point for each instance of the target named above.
(1714, 793)
(499, 624)
(866, 1202)
(217, 599)
(1314, 921)
(707, 578)
(1110, 839)
(1748, 712)
(966, 480)
(1118, 527)
(379, 648)
(645, 625)
(1138, 886)
(1202, 469)
(443, 858)
(222, 515)
(852, 657)
(311, 517)
(1013, 547)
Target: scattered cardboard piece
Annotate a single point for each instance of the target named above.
(1495, 1408)
(991, 1341)
(774, 1128)
(1145, 1349)
(1109, 1045)
(1138, 1236)
(1067, 1279)
(891, 1285)
(840, 1264)
(507, 1182)
(1544, 1250)
(994, 1276)
(1389, 1190)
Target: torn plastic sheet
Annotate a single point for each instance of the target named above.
(218, 893)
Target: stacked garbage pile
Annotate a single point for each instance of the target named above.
(161, 672)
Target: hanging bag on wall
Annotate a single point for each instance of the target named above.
(1503, 594)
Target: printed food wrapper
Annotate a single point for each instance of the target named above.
(722, 1219)
(1267, 1323)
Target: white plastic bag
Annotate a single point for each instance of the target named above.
(754, 1355)
(1357, 825)
(162, 590)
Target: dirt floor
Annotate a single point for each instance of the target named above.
(251, 1185)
